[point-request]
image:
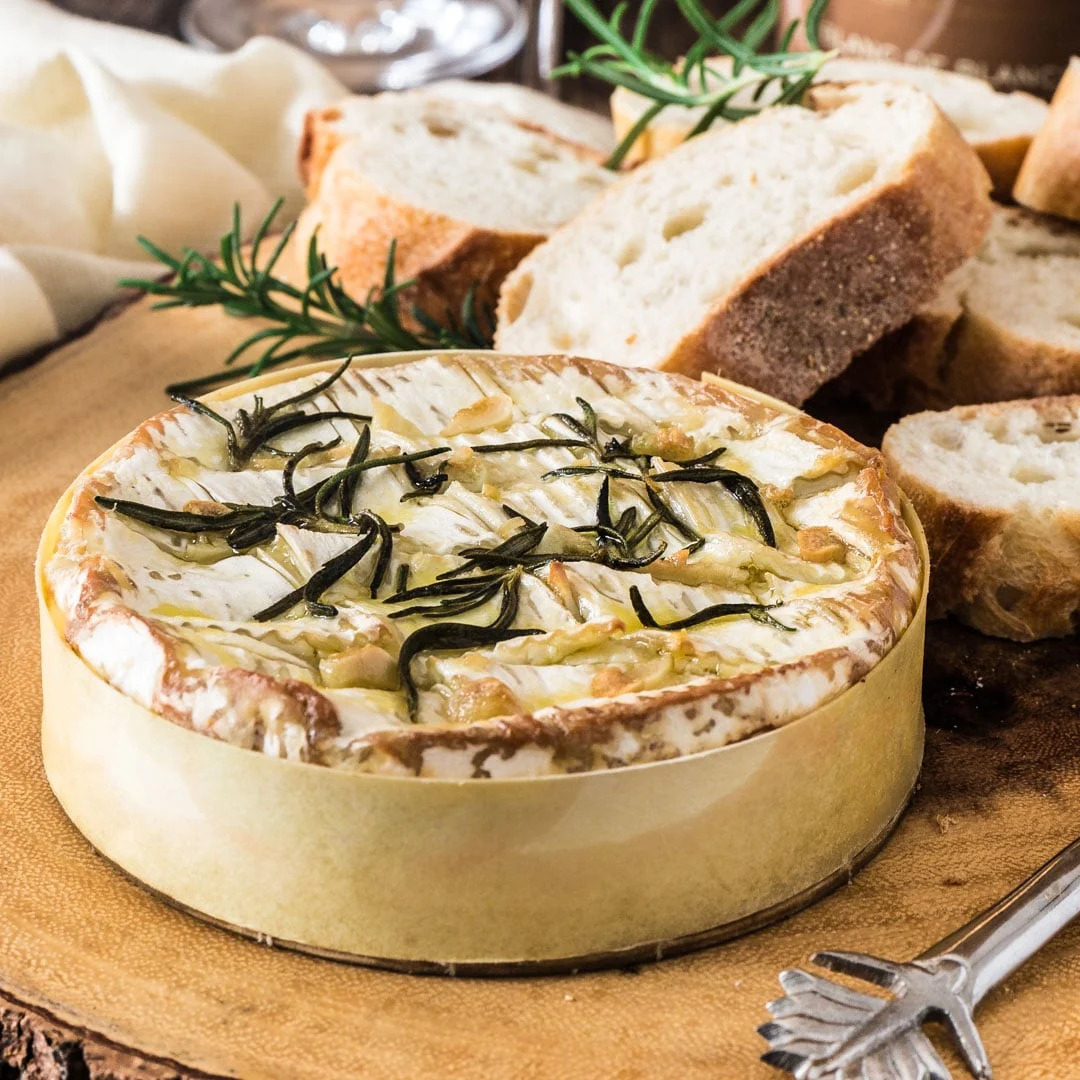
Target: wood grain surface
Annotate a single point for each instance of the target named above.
(101, 981)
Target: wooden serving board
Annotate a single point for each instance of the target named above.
(98, 979)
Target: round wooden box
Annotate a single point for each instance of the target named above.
(484, 876)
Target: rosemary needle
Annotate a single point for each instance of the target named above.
(708, 614)
(319, 319)
(446, 637)
(721, 93)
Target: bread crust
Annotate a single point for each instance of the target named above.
(582, 737)
(356, 223)
(1003, 159)
(318, 141)
(858, 277)
(658, 139)
(938, 361)
(1049, 179)
(1009, 575)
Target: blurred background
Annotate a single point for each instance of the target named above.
(1017, 44)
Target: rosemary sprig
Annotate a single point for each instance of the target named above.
(246, 526)
(699, 470)
(622, 60)
(446, 636)
(484, 573)
(252, 431)
(614, 449)
(328, 574)
(757, 612)
(423, 486)
(325, 492)
(181, 521)
(349, 486)
(529, 444)
(742, 487)
(316, 320)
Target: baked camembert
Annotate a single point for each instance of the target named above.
(476, 566)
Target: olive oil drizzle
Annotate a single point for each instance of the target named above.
(619, 540)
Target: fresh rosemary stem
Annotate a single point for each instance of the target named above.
(314, 321)
(754, 80)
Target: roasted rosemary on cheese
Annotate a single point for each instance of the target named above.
(473, 565)
(615, 539)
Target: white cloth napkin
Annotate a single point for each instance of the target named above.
(107, 133)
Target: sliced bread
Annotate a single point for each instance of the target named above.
(1050, 178)
(1004, 325)
(464, 188)
(997, 488)
(999, 126)
(769, 251)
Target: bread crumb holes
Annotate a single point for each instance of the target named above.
(683, 221)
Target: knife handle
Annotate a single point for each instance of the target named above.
(995, 943)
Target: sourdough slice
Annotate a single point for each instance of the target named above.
(1005, 325)
(997, 488)
(770, 251)
(999, 126)
(464, 188)
(1050, 177)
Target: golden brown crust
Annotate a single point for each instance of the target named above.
(318, 141)
(1049, 179)
(989, 567)
(985, 361)
(1002, 159)
(577, 737)
(659, 138)
(803, 316)
(357, 222)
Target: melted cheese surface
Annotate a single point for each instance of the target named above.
(168, 617)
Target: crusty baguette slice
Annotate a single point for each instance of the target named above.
(999, 126)
(1050, 178)
(464, 188)
(997, 488)
(769, 251)
(1004, 325)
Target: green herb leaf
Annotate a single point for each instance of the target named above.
(715, 611)
(251, 431)
(447, 637)
(625, 61)
(742, 487)
(319, 319)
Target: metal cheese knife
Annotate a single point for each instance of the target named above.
(824, 1031)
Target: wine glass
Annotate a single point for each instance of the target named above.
(372, 44)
